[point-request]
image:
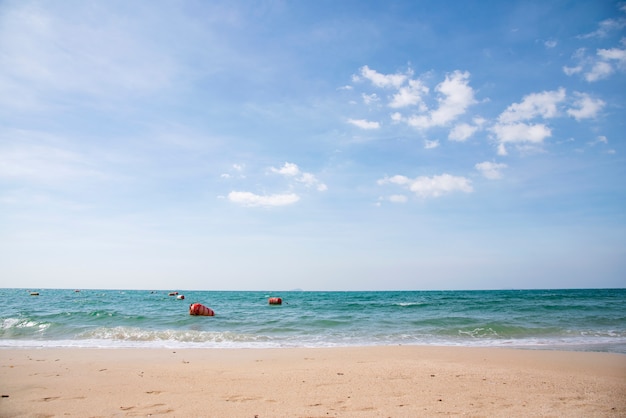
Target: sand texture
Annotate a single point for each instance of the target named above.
(399, 381)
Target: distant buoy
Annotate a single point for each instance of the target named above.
(181, 297)
(172, 294)
(275, 301)
(34, 293)
(200, 309)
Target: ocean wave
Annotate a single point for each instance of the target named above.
(184, 336)
(12, 327)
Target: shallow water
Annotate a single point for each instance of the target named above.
(586, 320)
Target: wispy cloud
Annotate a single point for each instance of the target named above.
(97, 55)
(606, 61)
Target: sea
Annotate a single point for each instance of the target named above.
(575, 320)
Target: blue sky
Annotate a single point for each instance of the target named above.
(321, 145)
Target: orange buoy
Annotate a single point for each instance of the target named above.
(200, 309)
(275, 301)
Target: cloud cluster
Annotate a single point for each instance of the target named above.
(605, 61)
(520, 124)
(289, 171)
(523, 125)
(408, 97)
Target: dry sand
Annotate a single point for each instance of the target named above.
(399, 381)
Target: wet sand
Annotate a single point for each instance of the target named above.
(398, 381)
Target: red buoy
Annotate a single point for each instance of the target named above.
(200, 309)
(275, 301)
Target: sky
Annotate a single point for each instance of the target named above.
(316, 145)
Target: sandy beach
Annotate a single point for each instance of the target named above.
(399, 381)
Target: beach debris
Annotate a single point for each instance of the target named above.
(275, 301)
(198, 309)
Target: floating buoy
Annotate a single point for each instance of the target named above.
(172, 294)
(181, 297)
(200, 309)
(275, 301)
(34, 293)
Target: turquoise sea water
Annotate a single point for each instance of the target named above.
(587, 320)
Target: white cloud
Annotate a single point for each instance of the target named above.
(490, 170)
(586, 107)
(454, 97)
(308, 179)
(462, 132)
(370, 98)
(364, 124)
(434, 186)
(289, 169)
(251, 199)
(396, 117)
(600, 66)
(615, 54)
(419, 121)
(381, 80)
(599, 71)
(606, 63)
(513, 128)
(237, 168)
(431, 144)
(457, 97)
(542, 104)
(521, 132)
(410, 95)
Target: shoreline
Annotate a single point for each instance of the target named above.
(366, 381)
